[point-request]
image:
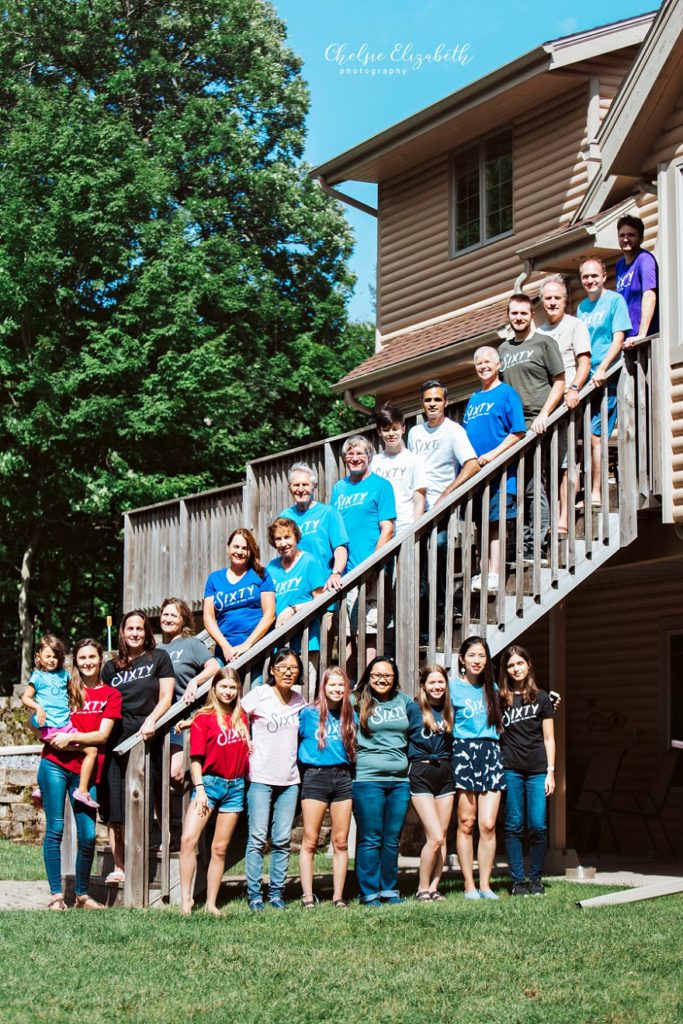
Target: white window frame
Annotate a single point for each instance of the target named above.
(483, 239)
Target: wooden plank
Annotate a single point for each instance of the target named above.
(628, 483)
(407, 615)
(519, 535)
(135, 887)
(466, 567)
(538, 485)
(557, 628)
(165, 823)
(572, 470)
(554, 499)
(484, 529)
(587, 481)
(502, 548)
(642, 892)
(433, 585)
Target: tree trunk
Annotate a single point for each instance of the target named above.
(25, 620)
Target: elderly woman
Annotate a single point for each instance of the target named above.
(144, 677)
(298, 577)
(239, 601)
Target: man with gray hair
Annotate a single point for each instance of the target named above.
(573, 341)
(323, 533)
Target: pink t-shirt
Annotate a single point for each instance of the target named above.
(275, 735)
(225, 752)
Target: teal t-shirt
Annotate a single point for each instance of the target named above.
(383, 755)
(470, 712)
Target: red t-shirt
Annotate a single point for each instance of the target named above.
(102, 702)
(225, 752)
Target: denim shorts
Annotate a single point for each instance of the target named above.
(224, 795)
(596, 419)
(328, 784)
(431, 778)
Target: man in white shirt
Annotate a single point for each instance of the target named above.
(402, 468)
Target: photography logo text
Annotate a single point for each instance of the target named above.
(401, 59)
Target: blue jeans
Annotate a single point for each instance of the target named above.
(380, 809)
(273, 806)
(525, 788)
(55, 782)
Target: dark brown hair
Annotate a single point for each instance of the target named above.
(283, 523)
(367, 702)
(76, 684)
(124, 659)
(530, 690)
(185, 613)
(254, 549)
(57, 645)
(494, 716)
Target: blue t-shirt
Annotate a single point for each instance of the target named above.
(333, 752)
(238, 605)
(52, 695)
(490, 417)
(322, 530)
(603, 318)
(424, 744)
(363, 506)
(296, 586)
(471, 715)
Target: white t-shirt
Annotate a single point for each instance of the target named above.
(443, 451)
(275, 735)
(406, 473)
(571, 336)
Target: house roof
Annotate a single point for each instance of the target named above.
(481, 106)
(423, 347)
(560, 250)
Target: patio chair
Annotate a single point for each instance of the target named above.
(649, 804)
(594, 802)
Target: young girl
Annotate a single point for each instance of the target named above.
(327, 750)
(477, 763)
(51, 695)
(219, 758)
(432, 790)
(529, 763)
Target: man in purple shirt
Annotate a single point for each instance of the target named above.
(637, 280)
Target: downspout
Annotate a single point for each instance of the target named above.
(353, 403)
(521, 278)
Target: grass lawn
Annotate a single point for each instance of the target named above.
(522, 961)
(21, 862)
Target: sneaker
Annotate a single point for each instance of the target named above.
(528, 559)
(519, 889)
(277, 903)
(392, 899)
(86, 799)
(491, 583)
(256, 905)
(536, 888)
(473, 894)
(488, 894)
(371, 903)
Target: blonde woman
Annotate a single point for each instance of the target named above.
(219, 760)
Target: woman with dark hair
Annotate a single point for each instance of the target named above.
(327, 750)
(381, 793)
(144, 677)
(239, 601)
(529, 761)
(192, 663)
(477, 763)
(95, 708)
(432, 790)
(273, 711)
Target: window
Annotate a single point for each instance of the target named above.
(482, 192)
(675, 715)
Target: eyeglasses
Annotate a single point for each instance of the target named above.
(381, 677)
(288, 670)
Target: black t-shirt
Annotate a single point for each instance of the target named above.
(522, 739)
(424, 744)
(139, 688)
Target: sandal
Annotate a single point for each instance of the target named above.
(340, 904)
(115, 877)
(309, 901)
(423, 896)
(437, 897)
(57, 902)
(88, 903)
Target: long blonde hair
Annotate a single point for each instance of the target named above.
(213, 706)
(423, 700)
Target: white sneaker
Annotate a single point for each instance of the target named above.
(491, 583)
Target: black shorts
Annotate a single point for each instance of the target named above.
(478, 765)
(327, 784)
(431, 778)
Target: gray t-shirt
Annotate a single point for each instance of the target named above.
(529, 367)
(188, 656)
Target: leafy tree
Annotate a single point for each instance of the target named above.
(173, 285)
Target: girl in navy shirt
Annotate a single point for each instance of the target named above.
(327, 750)
(432, 789)
(477, 763)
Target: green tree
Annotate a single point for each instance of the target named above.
(173, 286)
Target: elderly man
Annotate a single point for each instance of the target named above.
(531, 363)
(494, 422)
(637, 280)
(606, 316)
(323, 533)
(572, 339)
(366, 504)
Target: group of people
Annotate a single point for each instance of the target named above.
(365, 751)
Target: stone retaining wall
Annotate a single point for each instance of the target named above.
(19, 819)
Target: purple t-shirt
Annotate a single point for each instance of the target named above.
(632, 280)
(275, 735)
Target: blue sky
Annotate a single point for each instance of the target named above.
(343, 41)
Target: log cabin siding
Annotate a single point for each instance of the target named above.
(670, 142)
(418, 277)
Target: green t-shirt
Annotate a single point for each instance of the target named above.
(529, 367)
(382, 756)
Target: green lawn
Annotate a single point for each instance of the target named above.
(21, 862)
(532, 961)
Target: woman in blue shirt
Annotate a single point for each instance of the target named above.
(477, 763)
(327, 750)
(432, 790)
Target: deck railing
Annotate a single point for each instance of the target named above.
(525, 593)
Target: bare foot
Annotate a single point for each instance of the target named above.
(186, 908)
(214, 911)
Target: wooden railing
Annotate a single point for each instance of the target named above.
(526, 591)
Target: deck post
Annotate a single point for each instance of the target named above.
(135, 887)
(558, 681)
